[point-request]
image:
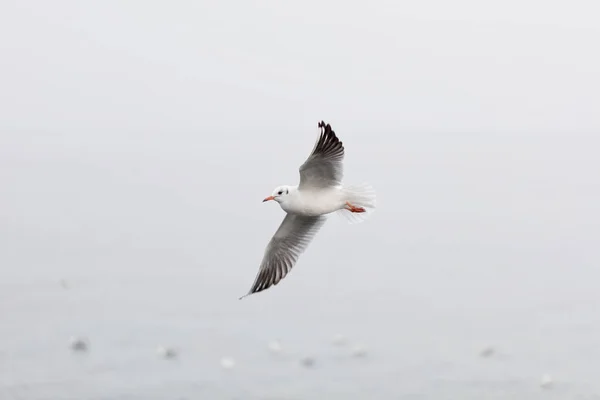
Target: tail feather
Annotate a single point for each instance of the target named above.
(359, 196)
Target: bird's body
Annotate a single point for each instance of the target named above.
(314, 201)
(320, 192)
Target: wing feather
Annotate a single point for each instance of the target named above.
(324, 166)
(290, 240)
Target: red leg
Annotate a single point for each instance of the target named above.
(354, 209)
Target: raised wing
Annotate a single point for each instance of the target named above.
(323, 167)
(291, 239)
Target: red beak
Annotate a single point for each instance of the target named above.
(269, 198)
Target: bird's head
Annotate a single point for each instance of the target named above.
(279, 194)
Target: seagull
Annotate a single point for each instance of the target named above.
(320, 192)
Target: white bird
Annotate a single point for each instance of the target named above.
(319, 192)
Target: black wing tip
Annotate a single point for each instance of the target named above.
(260, 287)
(328, 140)
(251, 292)
(325, 128)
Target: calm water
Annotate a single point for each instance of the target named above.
(479, 240)
(137, 140)
(422, 344)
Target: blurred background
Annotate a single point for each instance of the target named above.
(138, 138)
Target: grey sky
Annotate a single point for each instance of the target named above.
(523, 66)
(128, 129)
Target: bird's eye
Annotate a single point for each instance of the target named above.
(280, 192)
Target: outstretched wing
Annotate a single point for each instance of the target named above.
(323, 168)
(291, 239)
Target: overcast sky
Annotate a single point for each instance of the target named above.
(142, 135)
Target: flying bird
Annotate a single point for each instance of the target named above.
(320, 192)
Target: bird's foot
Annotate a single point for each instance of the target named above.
(354, 209)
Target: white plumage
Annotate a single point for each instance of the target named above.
(320, 192)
